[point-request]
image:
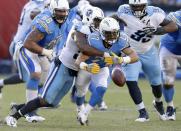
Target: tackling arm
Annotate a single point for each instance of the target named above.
(82, 43)
(167, 27)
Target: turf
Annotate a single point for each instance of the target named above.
(120, 115)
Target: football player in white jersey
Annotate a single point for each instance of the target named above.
(30, 10)
(143, 22)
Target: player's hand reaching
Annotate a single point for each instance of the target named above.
(113, 59)
(149, 30)
(93, 68)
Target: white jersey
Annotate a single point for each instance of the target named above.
(70, 51)
(25, 20)
(139, 41)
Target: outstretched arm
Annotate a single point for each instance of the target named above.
(82, 43)
(167, 26)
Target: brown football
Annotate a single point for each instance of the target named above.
(118, 76)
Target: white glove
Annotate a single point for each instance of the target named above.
(48, 53)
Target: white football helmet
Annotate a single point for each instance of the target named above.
(138, 7)
(110, 30)
(91, 15)
(60, 6)
(82, 4)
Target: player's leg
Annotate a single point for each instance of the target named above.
(31, 63)
(82, 85)
(132, 73)
(151, 68)
(168, 66)
(49, 94)
(100, 81)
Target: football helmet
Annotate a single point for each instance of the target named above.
(82, 4)
(92, 16)
(138, 7)
(110, 30)
(59, 10)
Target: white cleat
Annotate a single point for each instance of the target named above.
(160, 110)
(11, 121)
(142, 120)
(34, 118)
(170, 114)
(102, 106)
(143, 116)
(82, 118)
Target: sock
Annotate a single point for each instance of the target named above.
(97, 96)
(29, 107)
(168, 92)
(157, 92)
(31, 94)
(170, 104)
(80, 100)
(140, 106)
(80, 108)
(14, 79)
(87, 109)
(134, 92)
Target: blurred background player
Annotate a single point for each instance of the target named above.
(30, 10)
(109, 39)
(170, 56)
(143, 22)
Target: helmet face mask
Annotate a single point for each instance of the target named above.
(138, 10)
(59, 10)
(138, 7)
(111, 36)
(60, 15)
(109, 30)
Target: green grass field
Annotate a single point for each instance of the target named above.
(119, 117)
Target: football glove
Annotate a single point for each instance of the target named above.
(113, 59)
(48, 53)
(93, 68)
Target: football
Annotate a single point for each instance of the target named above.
(118, 76)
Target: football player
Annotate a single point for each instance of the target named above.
(143, 22)
(46, 30)
(107, 39)
(30, 10)
(170, 56)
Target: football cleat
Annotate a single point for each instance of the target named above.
(33, 118)
(102, 106)
(82, 118)
(170, 114)
(143, 116)
(11, 121)
(160, 110)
